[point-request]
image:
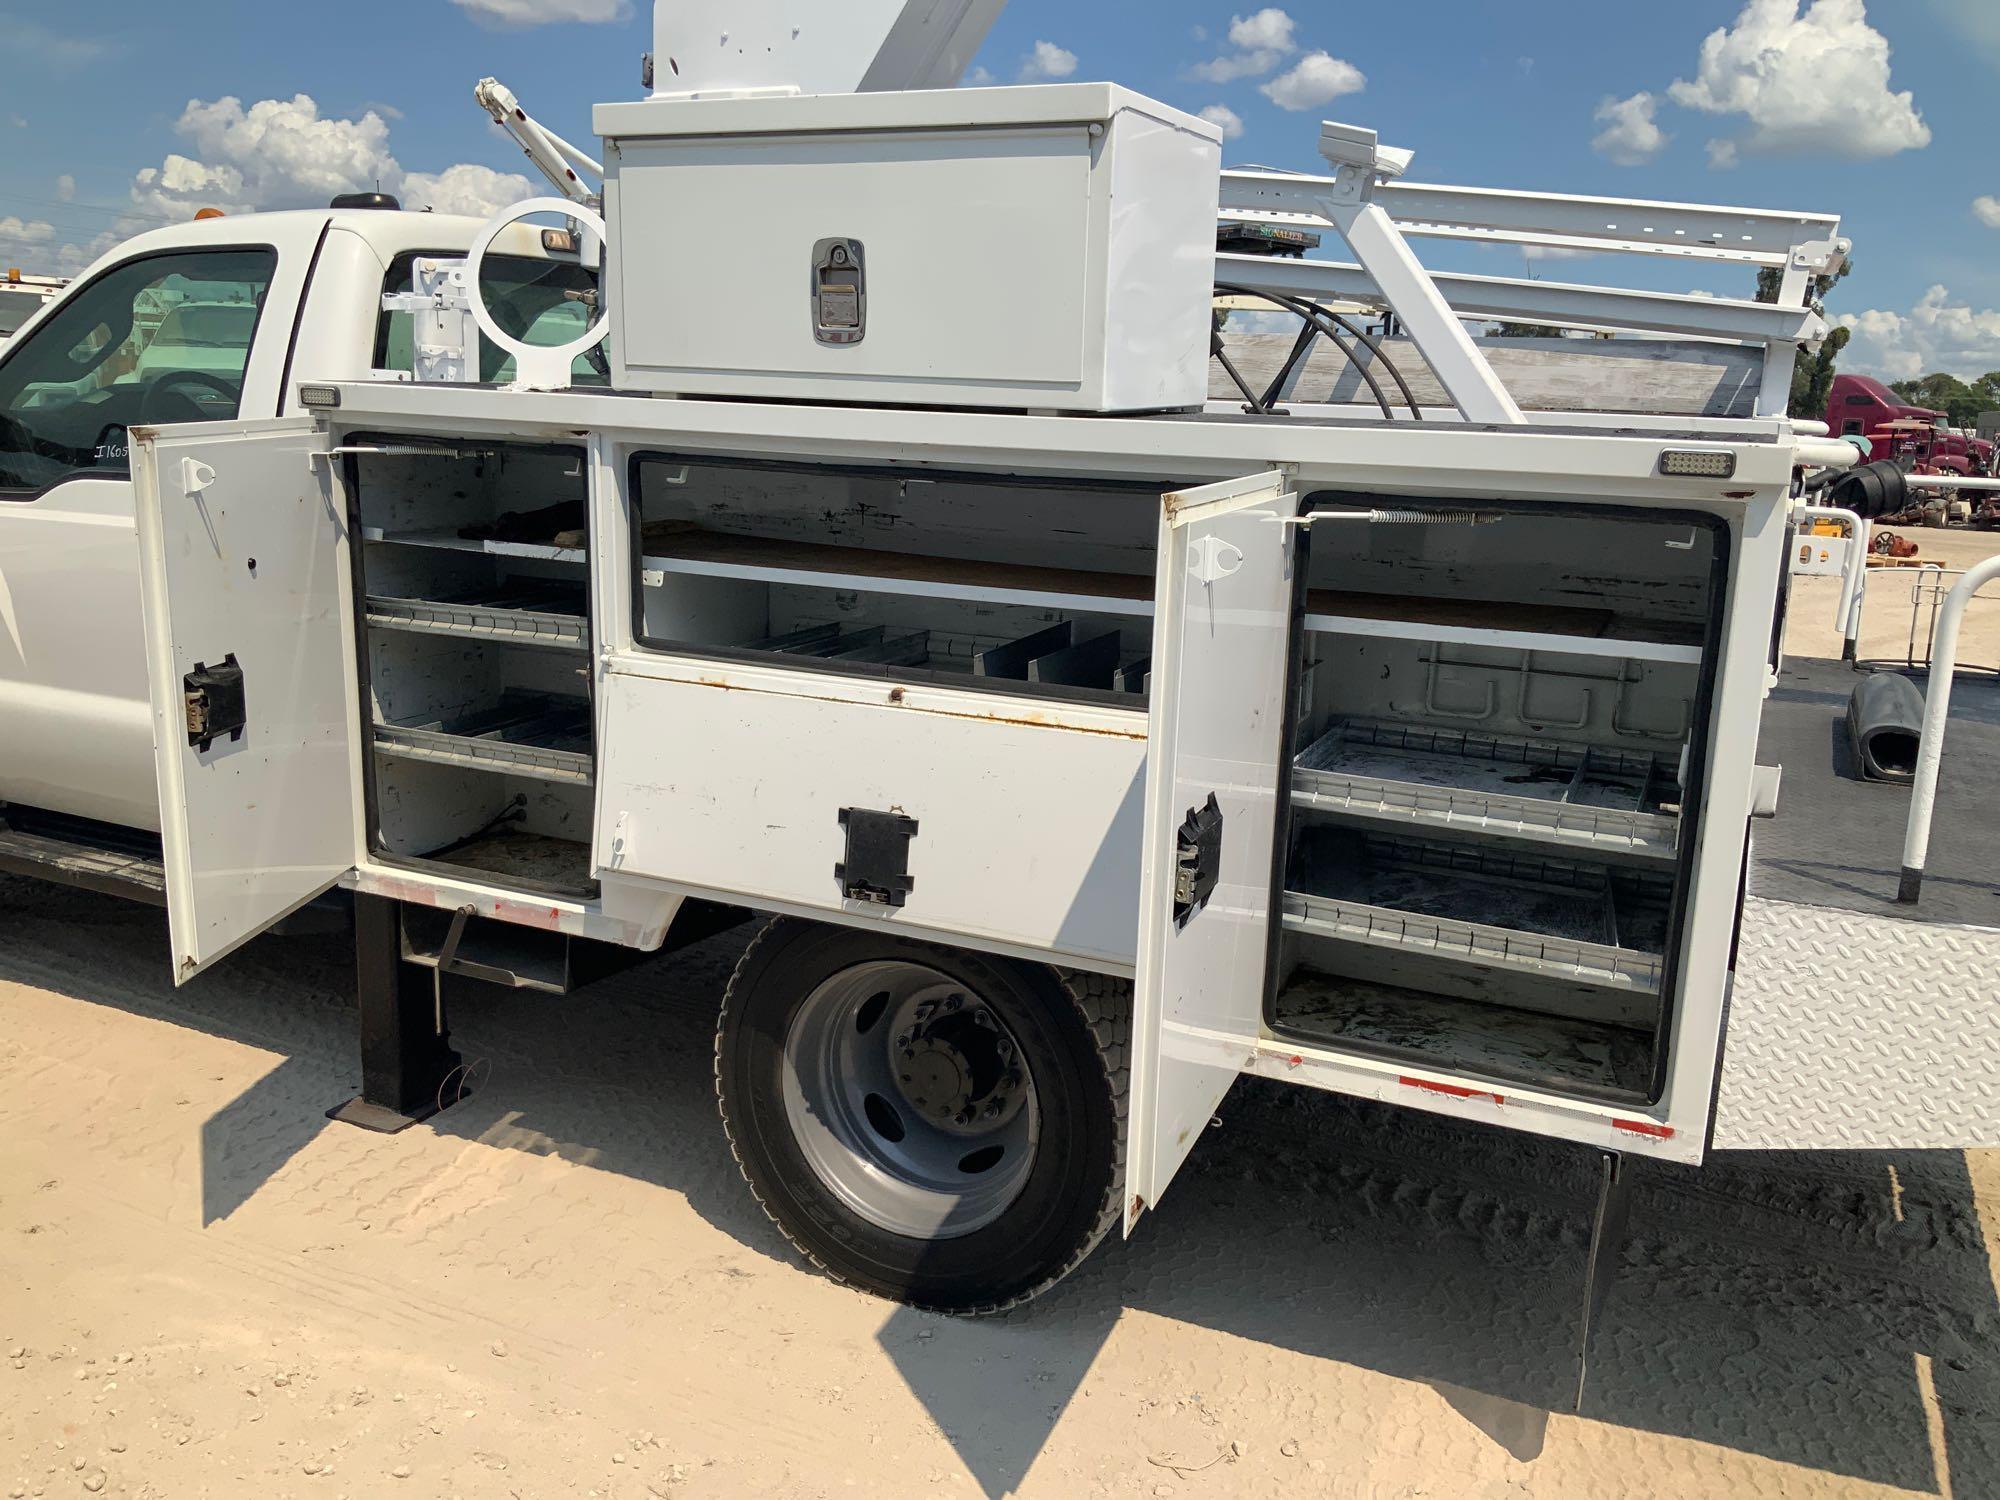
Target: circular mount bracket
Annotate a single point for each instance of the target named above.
(537, 367)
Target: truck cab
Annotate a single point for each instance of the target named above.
(1861, 403)
(209, 321)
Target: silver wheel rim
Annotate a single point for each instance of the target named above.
(910, 1099)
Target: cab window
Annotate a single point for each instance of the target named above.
(539, 302)
(162, 339)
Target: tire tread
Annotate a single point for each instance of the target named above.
(1103, 1004)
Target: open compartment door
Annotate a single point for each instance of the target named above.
(1221, 635)
(243, 568)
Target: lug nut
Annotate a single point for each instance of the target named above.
(954, 1002)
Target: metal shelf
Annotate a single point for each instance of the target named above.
(536, 735)
(684, 549)
(451, 541)
(1586, 800)
(716, 554)
(522, 612)
(1473, 944)
(1512, 629)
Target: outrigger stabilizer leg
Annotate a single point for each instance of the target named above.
(408, 1068)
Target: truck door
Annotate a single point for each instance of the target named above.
(1221, 634)
(197, 332)
(244, 586)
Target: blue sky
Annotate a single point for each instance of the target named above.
(115, 115)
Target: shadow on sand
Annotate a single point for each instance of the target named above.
(1773, 1304)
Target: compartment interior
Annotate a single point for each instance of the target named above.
(1484, 851)
(475, 647)
(1023, 585)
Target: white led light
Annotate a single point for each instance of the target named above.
(319, 395)
(1698, 463)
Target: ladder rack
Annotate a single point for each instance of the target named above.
(1376, 213)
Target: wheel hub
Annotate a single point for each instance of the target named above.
(957, 1067)
(910, 1099)
(936, 1077)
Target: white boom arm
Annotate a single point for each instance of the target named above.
(554, 157)
(707, 48)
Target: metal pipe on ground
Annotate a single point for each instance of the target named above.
(1949, 482)
(1937, 708)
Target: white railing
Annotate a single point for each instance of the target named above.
(1802, 245)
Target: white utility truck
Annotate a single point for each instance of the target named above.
(1080, 742)
(208, 321)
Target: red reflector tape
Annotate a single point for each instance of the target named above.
(1450, 1090)
(1645, 1127)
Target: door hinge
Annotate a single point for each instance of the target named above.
(213, 700)
(1197, 860)
(876, 869)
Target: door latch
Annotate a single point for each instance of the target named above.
(876, 869)
(213, 699)
(1197, 860)
(839, 292)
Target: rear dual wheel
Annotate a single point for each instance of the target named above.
(940, 1127)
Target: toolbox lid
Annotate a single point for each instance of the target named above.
(926, 109)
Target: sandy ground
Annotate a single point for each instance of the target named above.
(1886, 615)
(559, 1287)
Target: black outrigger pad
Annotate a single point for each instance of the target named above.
(379, 1118)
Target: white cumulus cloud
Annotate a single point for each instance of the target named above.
(467, 188)
(1986, 209)
(1047, 62)
(1226, 119)
(283, 153)
(1631, 136)
(1258, 43)
(1940, 333)
(27, 245)
(1316, 79)
(278, 153)
(542, 12)
(1811, 79)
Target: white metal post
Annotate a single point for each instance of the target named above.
(1853, 572)
(1937, 708)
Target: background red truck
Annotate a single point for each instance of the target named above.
(1862, 404)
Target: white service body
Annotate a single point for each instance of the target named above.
(1048, 248)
